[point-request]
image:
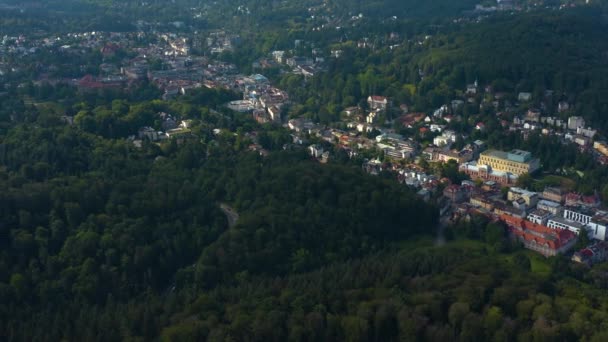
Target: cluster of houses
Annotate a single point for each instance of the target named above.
(303, 65)
(167, 62)
(221, 41)
(547, 222)
(264, 101)
(172, 128)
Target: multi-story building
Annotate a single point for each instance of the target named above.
(553, 194)
(539, 216)
(586, 132)
(460, 157)
(455, 193)
(529, 197)
(503, 209)
(552, 207)
(540, 238)
(580, 215)
(484, 172)
(575, 122)
(517, 162)
(482, 202)
(562, 223)
(397, 153)
(378, 102)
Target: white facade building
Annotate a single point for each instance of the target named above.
(539, 216)
(578, 216)
(562, 223)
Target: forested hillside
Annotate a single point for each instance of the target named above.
(535, 52)
(90, 223)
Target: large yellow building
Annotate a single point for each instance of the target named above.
(516, 162)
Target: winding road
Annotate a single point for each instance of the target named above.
(230, 213)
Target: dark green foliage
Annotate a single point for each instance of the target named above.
(89, 223)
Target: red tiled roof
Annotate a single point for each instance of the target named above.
(573, 196)
(452, 188)
(590, 199)
(543, 235)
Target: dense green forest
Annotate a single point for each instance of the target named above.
(90, 222)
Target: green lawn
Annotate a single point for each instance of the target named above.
(538, 263)
(554, 180)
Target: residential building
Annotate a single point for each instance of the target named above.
(524, 97)
(574, 122)
(502, 209)
(580, 215)
(389, 137)
(553, 194)
(517, 162)
(586, 132)
(479, 145)
(529, 197)
(371, 117)
(471, 89)
(455, 193)
(539, 238)
(373, 167)
(315, 150)
(298, 61)
(446, 138)
(572, 199)
(458, 156)
(539, 216)
(148, 133)
(397, 153)
(581, 140)
(591, 201)
(598, 252)
(562, 223)
(520, 204)
(482, 202)
(533, 115)
(442, 141)
(261, 116)
(430, 153)
(279, 56)
(275, 113)
(377, 102)
(336, 53)
(241, 106)
(300, 125)
(553, 207)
